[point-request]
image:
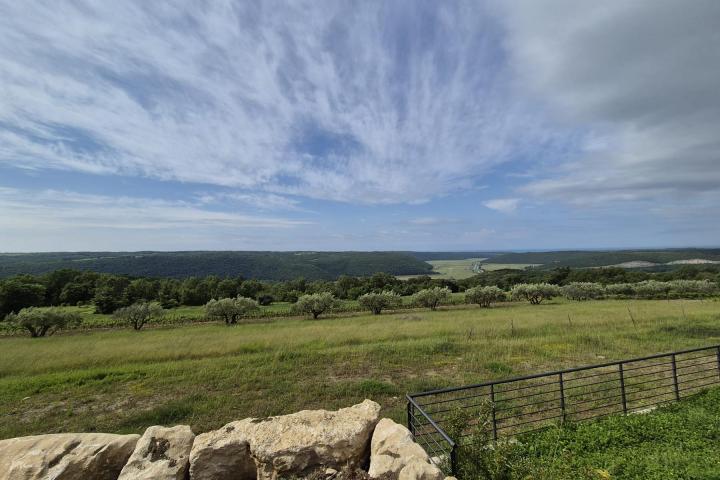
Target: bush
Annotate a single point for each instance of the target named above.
(138, 314)
(377, 302)
(43, 321)
(315, 304)
(484, 296)
(230, 310)
(534, 293)
(583, 291)
(620, 290)
(652, 289)
(431, 297)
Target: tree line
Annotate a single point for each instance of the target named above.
(109, 292)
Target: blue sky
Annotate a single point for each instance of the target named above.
(423, 125)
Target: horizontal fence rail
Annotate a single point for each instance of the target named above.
(522, 405)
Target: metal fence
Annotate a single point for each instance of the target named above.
(522, 405)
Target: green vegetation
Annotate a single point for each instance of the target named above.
(485, 296)
(42, 321)
(315, 304)
(432, 298)
(377, 302)
(257, 265)
(676, 442)
(138, 314)
(584, 259)
(206, 374)
(230, 310)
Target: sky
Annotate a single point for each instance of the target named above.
(374, 125)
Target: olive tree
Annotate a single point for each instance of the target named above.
(315, 304)
(138, 314)
(534, 293)
(652, 289)
(620, 290)
(484, 296)
(431, 297)
(377, 302)
(230, 310)
(43, 321)
(583, 291)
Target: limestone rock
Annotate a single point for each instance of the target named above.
(419, 470)
(65, 456)
(223, 454)
(295, 443)
(268, 448)
(392, 448)
(160, 454)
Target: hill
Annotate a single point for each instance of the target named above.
(585, 259)
(257, 265)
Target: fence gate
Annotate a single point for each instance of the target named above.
(524, 404)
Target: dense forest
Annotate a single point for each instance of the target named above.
(108, 292)
(257, 265)
(580, 259)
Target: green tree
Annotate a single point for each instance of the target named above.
(138, 314)
(534, 293)
(377, 302)
(583, 291)
(18, 293)
(43, 321)
(109, 293)
(226, 288)
(484, 296)
(315, 304)
(230, 310)
(432, 297)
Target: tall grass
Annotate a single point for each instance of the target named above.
(206, 374)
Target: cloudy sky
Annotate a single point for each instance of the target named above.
(341, 125)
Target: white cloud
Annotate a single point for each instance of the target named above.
(369, 103)
(503, 205)
(641, 77)
(52, 209)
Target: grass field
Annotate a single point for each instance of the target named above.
(676, 442)
(459, 269)
(206, 375)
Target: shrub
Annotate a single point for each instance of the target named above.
(377, 302)
(43, 321)
(620, 290)
(315, 304)
(583, 291)
(230, 310)
(484, 296)
(692, 288)
(534, 293)
(138, 314)
(652, 289)
(431, 297)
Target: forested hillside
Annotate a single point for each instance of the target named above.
(257, 265)
(581, 259)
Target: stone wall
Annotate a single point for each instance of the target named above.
(347, 444)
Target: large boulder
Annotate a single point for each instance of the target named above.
(286, 445)
(223, 454)
(393, 448)
(160, 454)
(419, 470)
(65, 456)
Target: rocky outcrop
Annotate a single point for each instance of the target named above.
(318, 444)
(160, 454)
(394, 454)
(284, 445)
(65, 456)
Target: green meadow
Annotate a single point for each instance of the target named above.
(205, 375)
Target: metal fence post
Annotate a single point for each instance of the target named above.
(453, 460)
(622, 387)
(494, 419)
(411, 425)
(675, 378)
(562, 397)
